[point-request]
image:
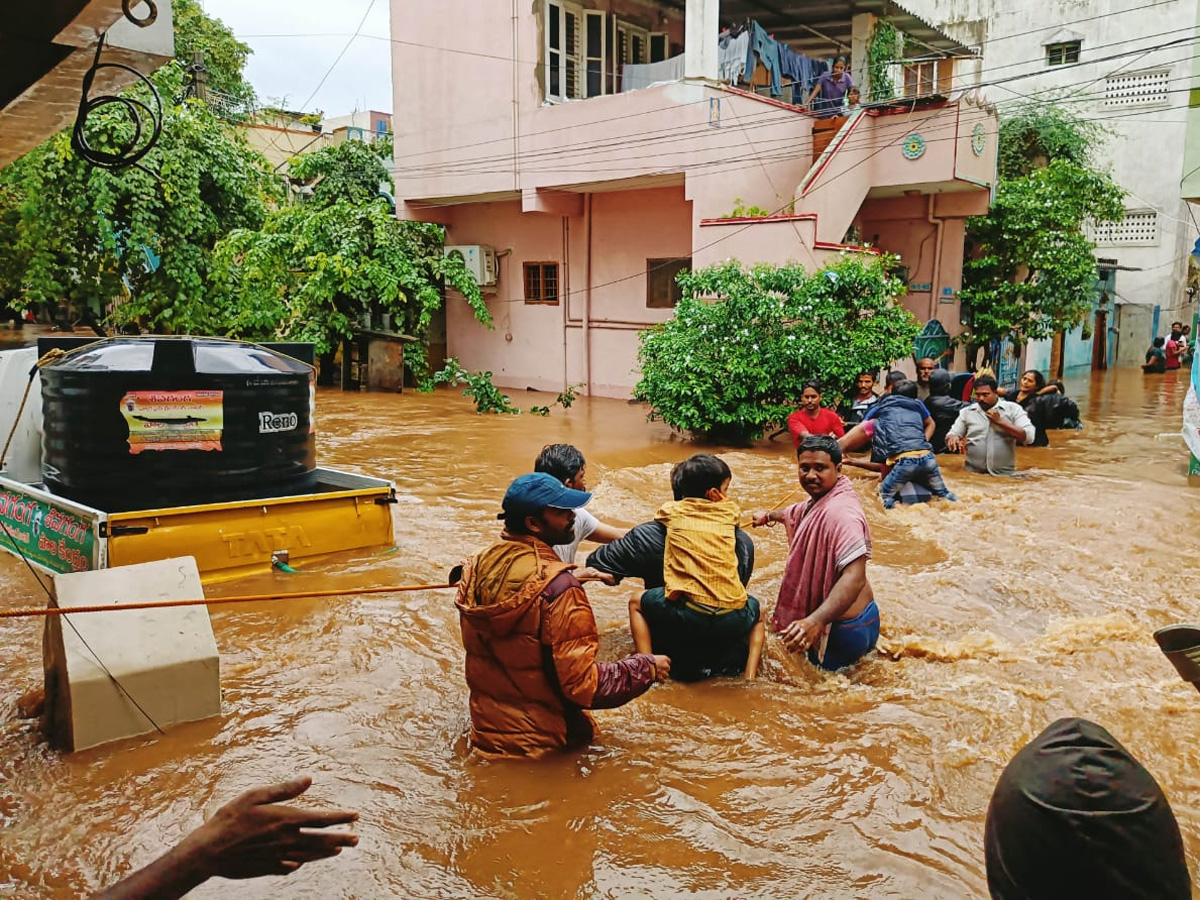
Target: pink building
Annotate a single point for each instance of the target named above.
(598, 148)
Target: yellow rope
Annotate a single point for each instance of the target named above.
(782, 501)
(48, 357)
(31, 612)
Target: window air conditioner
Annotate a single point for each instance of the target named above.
(479, 260)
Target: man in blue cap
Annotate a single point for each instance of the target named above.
(530, 634)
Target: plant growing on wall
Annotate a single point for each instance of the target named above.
(742, 211)
(1030, 270)
(882, 52)
(728, 369)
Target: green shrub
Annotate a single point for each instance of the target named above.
(729, 369)
(479, 388)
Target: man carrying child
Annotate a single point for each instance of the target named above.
(702, 613)
(903, 427)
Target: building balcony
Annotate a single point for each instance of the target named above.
(589, 99)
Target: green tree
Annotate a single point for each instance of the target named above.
(312, 273)
(1030, 270)
(87, 237)
(224, 55)
(729, 369)
(1034, 134)
(350, 171)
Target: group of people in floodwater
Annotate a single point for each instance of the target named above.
(910, 422)
(1167, 354)
(1073, 813)
(524, 612)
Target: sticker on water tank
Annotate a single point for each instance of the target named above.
(273, 422)
(174, 420)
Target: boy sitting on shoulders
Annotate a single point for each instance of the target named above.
(703, 611)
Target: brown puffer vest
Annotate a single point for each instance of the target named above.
(517, 706)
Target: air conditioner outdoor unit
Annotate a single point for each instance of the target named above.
(479, 260)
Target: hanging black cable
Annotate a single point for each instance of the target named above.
(147, 21)
(129, 151)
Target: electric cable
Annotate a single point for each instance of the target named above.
(132, 148)
(329, 71)
(458, 124)
(147, 20)
(646, 137)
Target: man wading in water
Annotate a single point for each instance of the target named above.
(825, 606)
(530, 635)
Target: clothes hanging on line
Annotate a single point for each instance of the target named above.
(642, 75)
(732, 51)
(766, 49)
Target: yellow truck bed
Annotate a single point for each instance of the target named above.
(345, 512)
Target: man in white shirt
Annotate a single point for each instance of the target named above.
(990, 429)
(567, 464)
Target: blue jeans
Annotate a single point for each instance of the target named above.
(849, 640)
(921, 469)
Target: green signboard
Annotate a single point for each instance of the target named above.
(47, 534)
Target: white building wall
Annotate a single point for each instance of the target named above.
(1145, 150)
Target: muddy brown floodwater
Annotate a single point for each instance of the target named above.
(1030, 599)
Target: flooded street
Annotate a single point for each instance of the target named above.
(1030, 599)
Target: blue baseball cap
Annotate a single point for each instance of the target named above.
(529, 494)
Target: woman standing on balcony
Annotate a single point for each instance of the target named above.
(830, 90)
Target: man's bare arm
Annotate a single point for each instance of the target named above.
(606, 534)
(248, 837)
(804, 633)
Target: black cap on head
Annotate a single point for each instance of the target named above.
(1075, 815)
(939, 383)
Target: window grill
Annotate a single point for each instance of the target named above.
(1137, 228)
(1137, 88)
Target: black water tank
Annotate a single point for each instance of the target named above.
(142, 423)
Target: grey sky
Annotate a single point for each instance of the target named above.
(289, 68)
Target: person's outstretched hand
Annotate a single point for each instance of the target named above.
(252, 836)
(249, 836)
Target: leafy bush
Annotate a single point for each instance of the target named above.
(486, 395)
(727, 370)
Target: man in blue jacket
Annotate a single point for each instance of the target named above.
(903, 427)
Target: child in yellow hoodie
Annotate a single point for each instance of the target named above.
(703, 612)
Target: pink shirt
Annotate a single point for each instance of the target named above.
(824, 536)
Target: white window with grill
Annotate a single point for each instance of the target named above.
(583, 50)
(1148, 88)
(564, 61)
(1137, 228)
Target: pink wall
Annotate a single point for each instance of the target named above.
(530, 343)
(479, 150)
(871, 160)
(777, 241)
(901, 226)
(471, 123)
